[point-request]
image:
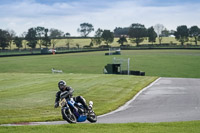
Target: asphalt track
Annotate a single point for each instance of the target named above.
(165, 100)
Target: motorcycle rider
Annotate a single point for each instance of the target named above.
(65, 91)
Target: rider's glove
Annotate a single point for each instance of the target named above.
(56, 105)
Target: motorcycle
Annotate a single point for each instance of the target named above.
(74, 112)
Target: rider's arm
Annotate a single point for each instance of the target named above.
(67, 93)
(57, 99)
(57, 96)
(70, 90)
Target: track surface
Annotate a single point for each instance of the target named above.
(166, 100)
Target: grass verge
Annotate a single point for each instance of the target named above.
(28, 97)
(172, 127)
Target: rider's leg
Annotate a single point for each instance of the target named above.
(82, 101)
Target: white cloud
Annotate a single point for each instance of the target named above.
(125, 13)
(21, 16)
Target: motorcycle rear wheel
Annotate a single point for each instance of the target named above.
(68, 116)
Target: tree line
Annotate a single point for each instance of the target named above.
(136, 32)
(36, 35)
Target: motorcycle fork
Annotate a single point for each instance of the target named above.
(69, 109)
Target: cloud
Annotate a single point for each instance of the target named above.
(36, 8)
(32, 9)
(67, 15)
(127, 12)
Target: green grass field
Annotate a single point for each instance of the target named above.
(27, 87)
(173, 127)
(164, 63)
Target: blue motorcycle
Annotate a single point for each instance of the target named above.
(74, 112)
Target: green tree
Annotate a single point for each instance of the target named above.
(137, 33)
(40, 32)
(151, 35)
(54, 35)
(67, 34)
(68, 42)
(85, 29)
(182, 34)
(23, 35)
(4, 41)
(97, 37)
(118, 31)
(18, 42)
(122, 40)
(108, 37)
(31, 38)
(46, 41)
(91, 42)
(165, 33)
(11, 35)
(78, 45)
(194, 33)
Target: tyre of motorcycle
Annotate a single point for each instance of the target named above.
(91, 117)
(68, 115)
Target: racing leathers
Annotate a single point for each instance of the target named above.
(68, 92)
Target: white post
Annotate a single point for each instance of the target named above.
(114, 60)
(128, 66)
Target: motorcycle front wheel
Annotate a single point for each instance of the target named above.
(91, 117)
(68, 115)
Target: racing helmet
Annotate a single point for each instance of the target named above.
(62, 84)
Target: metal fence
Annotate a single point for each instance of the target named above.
(39, 51)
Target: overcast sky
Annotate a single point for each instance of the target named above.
(67, 15)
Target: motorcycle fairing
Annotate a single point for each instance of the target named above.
(82, 118)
